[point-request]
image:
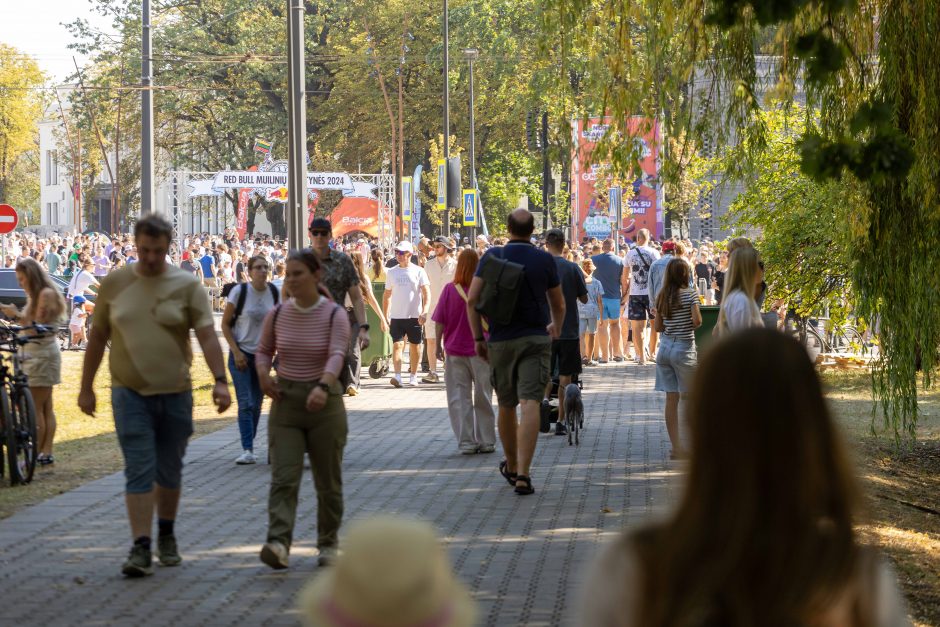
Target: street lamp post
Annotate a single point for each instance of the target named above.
(472, 54)
(297, 129)
(446, 113)
(146, 113)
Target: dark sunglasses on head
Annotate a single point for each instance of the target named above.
(319, 233)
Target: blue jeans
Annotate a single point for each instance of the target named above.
(153, 432)
(249, 398)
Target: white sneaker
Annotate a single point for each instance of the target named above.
(395, 381)
(274, 554)
(246, 458)
(414, 380)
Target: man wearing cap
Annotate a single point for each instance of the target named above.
(341, 279)
(658, 270)
(520, 351)
(440, 270)
(406, 303)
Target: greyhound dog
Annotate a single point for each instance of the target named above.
(574, 412)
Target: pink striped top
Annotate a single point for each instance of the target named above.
(306, 344)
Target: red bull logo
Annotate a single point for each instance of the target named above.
(277, 195)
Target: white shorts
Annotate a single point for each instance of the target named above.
(429, 330)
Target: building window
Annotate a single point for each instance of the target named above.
(52, 168)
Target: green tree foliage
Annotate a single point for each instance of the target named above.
(21, 107)
(870, 70)
(807, 259)
(374, 81)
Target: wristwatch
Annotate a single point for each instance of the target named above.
(364, 326)
(221, 379)
(323, 386)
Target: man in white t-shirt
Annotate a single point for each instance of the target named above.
(440, 269)
(639, 260)
(406, 302)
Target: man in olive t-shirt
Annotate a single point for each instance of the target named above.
(146, 311)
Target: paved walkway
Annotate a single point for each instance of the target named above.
(523, 557)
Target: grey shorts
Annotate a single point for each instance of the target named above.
(587, 325)
(520, 368)
(676, 361)
(153, 432)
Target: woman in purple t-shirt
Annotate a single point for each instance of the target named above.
(466, 376)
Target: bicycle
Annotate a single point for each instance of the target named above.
(17, 409)
(839, 339)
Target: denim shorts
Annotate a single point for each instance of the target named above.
(153, 432)
(675, 364)
(587, 325)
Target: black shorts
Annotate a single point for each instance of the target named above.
(401, 327)
(638, 308)
(566, 357)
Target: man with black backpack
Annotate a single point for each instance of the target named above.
(517, 288)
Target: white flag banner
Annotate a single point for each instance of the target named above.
(262, 181)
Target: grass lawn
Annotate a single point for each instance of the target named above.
(902, 489)
(86, 448)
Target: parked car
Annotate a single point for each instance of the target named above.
(11, 293)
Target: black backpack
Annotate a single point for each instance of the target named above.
(243, 294)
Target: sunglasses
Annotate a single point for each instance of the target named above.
(401, 252)
(319, 233)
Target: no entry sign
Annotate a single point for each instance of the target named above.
(8, 219)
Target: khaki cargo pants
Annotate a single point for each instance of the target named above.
(293, 431)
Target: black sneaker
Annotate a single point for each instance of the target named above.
(167, 552)
(545, 417)
(139, 562)
(560, 429)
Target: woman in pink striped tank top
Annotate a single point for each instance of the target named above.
(309, 334)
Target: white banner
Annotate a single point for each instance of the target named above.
(261, 181)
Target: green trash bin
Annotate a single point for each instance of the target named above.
(703, 334)
(378, 356)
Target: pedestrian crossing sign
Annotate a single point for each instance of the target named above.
(470, 207)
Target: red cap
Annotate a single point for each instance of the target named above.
(668, 245)
(186, 256)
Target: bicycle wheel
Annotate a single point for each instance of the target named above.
(847, 339)
(814, 343)
(9, 433)
(24, 444)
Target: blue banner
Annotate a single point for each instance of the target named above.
(416, 205)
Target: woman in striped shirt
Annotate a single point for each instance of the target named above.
(677, 317)
(309, 334)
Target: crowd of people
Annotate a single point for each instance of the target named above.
(519, 316)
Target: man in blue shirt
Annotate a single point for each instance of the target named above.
(610, 271)
(519, 352)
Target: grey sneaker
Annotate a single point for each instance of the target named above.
(167, 552)
(139, 562)
(328, 555)
(487, 448)
(274, 554)
(431, 378)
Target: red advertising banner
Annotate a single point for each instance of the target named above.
(641, 205)
(241, 223)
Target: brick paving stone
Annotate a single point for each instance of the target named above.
(524, 558)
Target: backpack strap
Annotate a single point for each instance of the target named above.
(239, 304)
(274, 293)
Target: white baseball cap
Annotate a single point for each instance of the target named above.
(405, 247)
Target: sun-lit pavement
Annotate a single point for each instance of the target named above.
(523, 557)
